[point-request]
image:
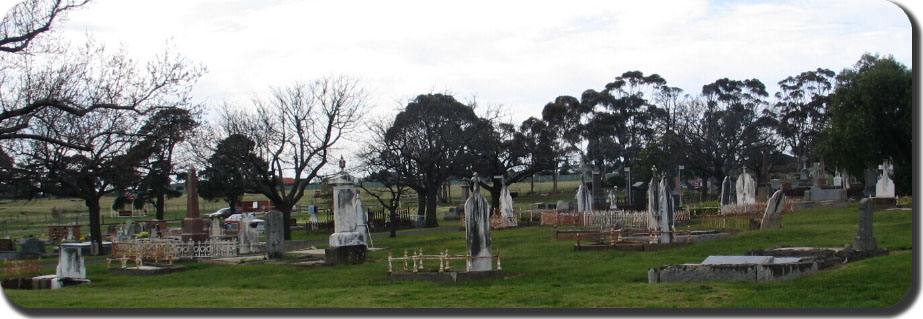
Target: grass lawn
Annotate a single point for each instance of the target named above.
(541, 273)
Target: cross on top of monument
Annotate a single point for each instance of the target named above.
(885, 167)
(654, 170)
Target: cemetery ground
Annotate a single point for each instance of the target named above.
(540, 273)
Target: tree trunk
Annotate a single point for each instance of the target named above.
(286, 220)
(494, 197)
(158, 205)
(421, 202)
(554, 180)
(393, 213)
(95, 232)
(431, 208)
(532, 184)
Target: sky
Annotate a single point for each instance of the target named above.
(516, 54)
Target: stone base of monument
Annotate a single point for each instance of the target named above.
(883, 203)
(760, 265)
(642, 243)
(345, 255)
(448, 276)
(826, 204)
(147, 270)
(237, 260)
(42, 282)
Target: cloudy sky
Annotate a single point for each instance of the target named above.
(519, 54)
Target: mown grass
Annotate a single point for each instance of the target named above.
(540, 273)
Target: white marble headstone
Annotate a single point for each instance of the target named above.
(746, 189)
(885, 186)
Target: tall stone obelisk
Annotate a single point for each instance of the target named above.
(193, 225)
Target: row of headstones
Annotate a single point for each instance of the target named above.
(745, 190)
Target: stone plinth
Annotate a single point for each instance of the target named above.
(346, 255)
(345, 211)
(275, 235)
(865, 241)
(194, 230)
(70, 261)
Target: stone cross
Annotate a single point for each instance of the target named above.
(477, 229)
(746, 189)
(865, 241)
(885, 186)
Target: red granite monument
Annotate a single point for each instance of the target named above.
(193, 224)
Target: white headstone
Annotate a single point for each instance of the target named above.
(653, 202)
(885, 186)
(584, 198)
(665, 210)
(247, 236)
(70, 261)
(746, 189)
(362, 221)
(507, 217)
(346, 220)
(477, 229)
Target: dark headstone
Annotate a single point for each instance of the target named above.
(193, 225)
(871, 178)
(865, 240)
(32, 248)
(275, 236)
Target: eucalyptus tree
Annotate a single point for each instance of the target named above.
(802, 110)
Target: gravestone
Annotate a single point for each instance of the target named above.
(665, 211)
(507, 217)
(746, 189)
(362, 221)
(584, 198)
(838, 179)
(465, 193)
(216, 229)
(725, 198)
(70, 261)
(560, 205)
(653, 202)
(346, 243)
(871, 178)
(865, 241)
(885, 186)
(32, 248)
(275, 235)
(193, 225)
(773, 211)
(477, 229)
(597, 194)
(613, 200)
(247, 236)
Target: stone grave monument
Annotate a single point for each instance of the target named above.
(865, 240)
(725, 196)
(248, 237)
(507, 217)
(346, 243)
(746, 189)
(773, 213)
(32, 248)
(275, 235)
(653, 201)
(477, 230)
(665, 211)
(884, 188)
(584, 197)
(193, 225)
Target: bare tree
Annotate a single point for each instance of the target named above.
(81, 80)
(294, 130)
(27, 20)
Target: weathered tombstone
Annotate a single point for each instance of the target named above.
(362, 221)
(32, 248)
(477, 229)
(885, 186)
(653, 202)
(597, 194)
(247, 236)
(865, 241)
(871, 178)
(275, 235)
(70, 261)
(584, 198)
(838, 179)
(613, 199)
(774, 207)
(665, 211)
(216, 230)
(346, 245)
(746, 189)
(193, 225)
(507, 217)
(725, 198)
(465, 193)
(560, 205)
